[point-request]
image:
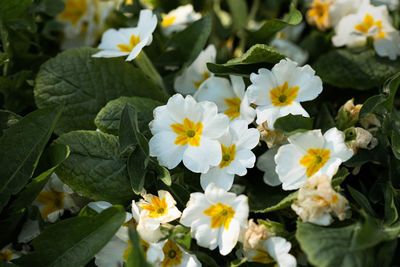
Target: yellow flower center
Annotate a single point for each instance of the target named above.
(132, 43)
(5, 256)
(188, 132)
(262, 256)
(52, 200)
(167, 20)
(228, 155)
(283, 95)
(234, 107)
(368, 23)
(206, 75)
(220, 215)
(74, 10)
(315, 160)
(157, 208)
(128, 250)
(319, 13)
(172, 254)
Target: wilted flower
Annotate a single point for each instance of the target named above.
(309, 154)
(254, 234)
(317, 200)
(178, 19)
(279, 92)
(186, 130)
(362, 139)
(229, 97)
(348, 114)
(269, 136)
(194, 76)
(216, 218)
(129, 41)
(236, 145)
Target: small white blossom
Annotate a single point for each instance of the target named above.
(178, 19)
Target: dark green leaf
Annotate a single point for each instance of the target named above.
(19, 161)
(181, 235)
(161, 172)
(137, 168)
(391, 213)
(291, 124)
(74, 241)
(136, 257)
(50, 7)
(362, 201)
(339, 177)
(283, 204)
(7, 119)
(94, 167)
(85, 84)
(239, 11)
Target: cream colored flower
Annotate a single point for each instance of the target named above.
(178, 19)
(194, 76)
(216, 218)
(254, 234)
(309, 154)
(317, 200)
(269, 136)
(363, 139)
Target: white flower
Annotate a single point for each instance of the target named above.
(273, 250)
(186, 130)
(236, 145)
(327, 13)
(192, 78)
(279, 92)
(129, 41)
(229, 97)
(369, 22)
(266, 163)
(317, 200)
(216, 218)
(308, 154)
(172, 255)
(178, 19)
(54, 199)
(152, 211)
(7, 254)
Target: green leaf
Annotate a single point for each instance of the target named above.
(15, 14)
(21, 146)
(85, 84)
(291, 124)
(239, 12)
(362, 201)
(185, 46)
(259, 203)
(7, 119)
(283, 204)
(50, 7)
(270, 27)
(94, 167)
(136, 256)
(339, 177)
(161, 172)
(181, 235)
(137, 168)
(391, 213)
(396, 144)
(74, 241)
(248, 62)
(363, 70)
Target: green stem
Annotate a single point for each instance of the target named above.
(144, 63)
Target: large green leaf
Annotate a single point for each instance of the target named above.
(85, 84)
(249, 61)
(94, 167)
(15, 14)
(108, 118)
(7, 119)
(291, 124)
(74, 241)
(356, 70)
(21, 146)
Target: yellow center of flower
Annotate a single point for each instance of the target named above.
(74, 10)
(206, 75)
(167, 20)
(319, 13)
(128, 250)
(228, 155)
(188, 132)
(315, 160)
(368, 23)
(220, 215)
(234, 107)
(157, 208)
(262, 256)
(132, 43)
(172, 254)
(283, 95)
(52, 200)
(6, 255)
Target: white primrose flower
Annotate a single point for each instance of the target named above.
(184, 130)
(279, 92)
(152, 211)
(327, 13)
(193, 77)
(216, 218)
(54, 199)
(308, 154)
(272, 250)
(236, 145)
(373, 23)
(229, 97)
(172, 255)
(129, 41)
(7, 254)
(178, 19)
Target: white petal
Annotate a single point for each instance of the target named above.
(215, 125)
(238, 85)
(147, 23)
(215, 89)
(218, 176)
(162, 120)
(334, 141)
(215, 194)
(247, 113)
(307, 140)
(330, 168)
(249, 139)
(266, 163)
(162, 146)
(243, 159)
(111, 254)
(155, 253)
(295, 108)
(200, 159)
(228, 237)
